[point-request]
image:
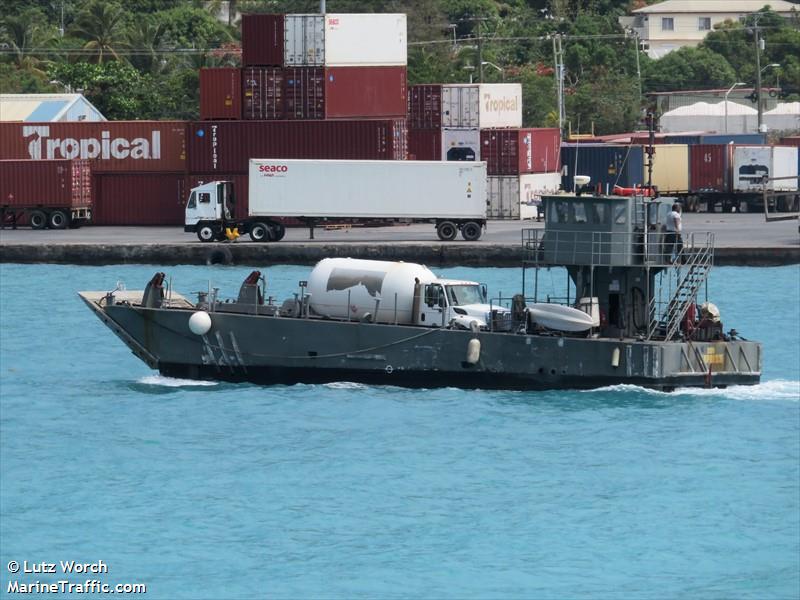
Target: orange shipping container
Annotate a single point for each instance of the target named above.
(221, 93)
(113, 146)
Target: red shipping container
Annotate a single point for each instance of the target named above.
(518, 151)
(221, 93)
(227, 146)
(262, 40)
(425, 107)
(345, 92)
(138, 146)
(425, 144)
(50, 183)
(263, 93)
(793, 140)
(139, 199)
(709, 167)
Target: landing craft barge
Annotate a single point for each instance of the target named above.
(630, 314)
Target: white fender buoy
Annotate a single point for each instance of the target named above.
(615, 357)
(200, 322)
(473, 351)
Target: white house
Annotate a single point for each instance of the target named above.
(47, 108)
(670, 25)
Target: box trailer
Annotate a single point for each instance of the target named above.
(452, 195)
(45, 193)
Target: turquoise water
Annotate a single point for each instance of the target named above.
(348, 491)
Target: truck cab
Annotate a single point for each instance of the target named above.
(451, 301)
(209, 209)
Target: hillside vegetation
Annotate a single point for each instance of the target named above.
(139, 59)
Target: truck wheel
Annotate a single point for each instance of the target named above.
(446, 230)
(259, 232)
(58, 220)
(471, 231)
(38, 219)
(205, 233)
(278, 231)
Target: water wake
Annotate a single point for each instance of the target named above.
(161, 380)
(778, 389)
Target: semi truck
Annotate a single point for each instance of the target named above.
(450, 195)
(53, 194)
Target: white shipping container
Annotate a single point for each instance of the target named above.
(461, 144)
(750, 165)
(304, 41)
(503, 197)
(367, 189)
(784, 164)
(482, 105)
(531, 189)
(345, 40)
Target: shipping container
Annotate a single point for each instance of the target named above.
(784, 164)
(139, 199)
(670, 169)
(517, 151)
(45, 183)
(389, 189)
(479, 105)
(531, 189)
(262, 40)
(792, 140)
(345, 40)
(750, 165)
(424, 144)
(263, 93)
(606, 165)
(504, 198)
(221, 93)
(733, 138)
(135, 146)
(709, 168)
(345, 92)
(461, 144)
(227, 146)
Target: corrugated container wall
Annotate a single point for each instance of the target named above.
(670, 169)
(345, 92)
(263, 93)
(517, 151)
(504, 198)
(262, 40)
(425, 144)
(134, 146)
(606, 165)
(425, 106)
(784, 164)
(466, 106)
(221, 93)
(139, 199)
(793, 140)
(734, 138)
(345, 40)
(52, 183)
(709, 168)
(228, 146)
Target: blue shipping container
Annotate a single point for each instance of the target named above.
(605, 164)
(734, 138)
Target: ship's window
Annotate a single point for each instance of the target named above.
(620, 214)
(205, 197)
(598, 212)
(434, 295)
(580, 212)
(192, 200)
(562, 212)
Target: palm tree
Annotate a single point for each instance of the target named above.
(146, 39)
(101, 25)
(23, 35)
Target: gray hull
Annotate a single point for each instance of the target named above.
(271, 349)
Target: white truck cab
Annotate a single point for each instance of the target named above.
(210, 208)
(463, 303)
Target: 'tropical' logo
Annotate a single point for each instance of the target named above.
(41, 145)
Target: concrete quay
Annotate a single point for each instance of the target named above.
(741, 239)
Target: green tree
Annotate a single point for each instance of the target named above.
(101, 25)
(688, 68)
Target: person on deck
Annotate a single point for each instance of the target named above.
(673, 241)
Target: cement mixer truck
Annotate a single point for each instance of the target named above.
(399, 293)
(451, 195)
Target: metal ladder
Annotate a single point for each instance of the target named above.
(692, 266)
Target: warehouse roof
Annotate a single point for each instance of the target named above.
(704, 108)
(785, 108)
(47, 108)
(715, 6)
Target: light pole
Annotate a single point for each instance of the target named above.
(758, 94)
(735, 85)
(491, 64)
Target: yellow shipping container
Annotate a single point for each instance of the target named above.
(670, 168)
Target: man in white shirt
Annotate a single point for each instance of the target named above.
(673, 239)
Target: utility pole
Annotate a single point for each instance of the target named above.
(758, 75)
(480, 52)
(558, 59)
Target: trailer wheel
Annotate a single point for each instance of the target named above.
(38, 219)
(58, 219)
(259, 232)
(446, 230)
(278, 231)
(471, 231)
(205, 232)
